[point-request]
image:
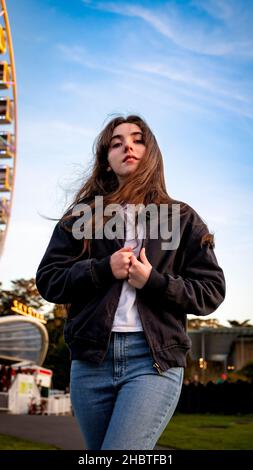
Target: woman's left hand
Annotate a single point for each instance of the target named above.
(139, 271)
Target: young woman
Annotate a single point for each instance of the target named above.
(128, 295)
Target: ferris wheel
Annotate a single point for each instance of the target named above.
(8, 123)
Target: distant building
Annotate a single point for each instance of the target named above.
(231, 347)
(241, 351)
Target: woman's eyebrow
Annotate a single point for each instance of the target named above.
(120, 136)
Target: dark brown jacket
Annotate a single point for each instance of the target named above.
(184, 281)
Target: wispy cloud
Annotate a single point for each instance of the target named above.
(81, 56)
(190, 33)
(217, 8)
(201, 60)
(190, 78)
(198, 80)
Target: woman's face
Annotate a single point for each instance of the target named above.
(126, 149)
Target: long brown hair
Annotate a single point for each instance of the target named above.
(145, 186)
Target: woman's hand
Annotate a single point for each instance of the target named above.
(139, 271)
(120, 262)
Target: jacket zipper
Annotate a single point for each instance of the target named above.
(155, 365)
(109, 339)
(108, 345)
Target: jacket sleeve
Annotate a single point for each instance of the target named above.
(199, 288)
(62, 279)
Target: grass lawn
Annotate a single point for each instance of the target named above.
(186, 432)
(15, 443)
(208, 432)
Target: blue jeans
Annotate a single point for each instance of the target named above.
(124, 403)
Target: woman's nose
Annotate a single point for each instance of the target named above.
(128, 145)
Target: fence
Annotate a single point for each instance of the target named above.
(58, 404)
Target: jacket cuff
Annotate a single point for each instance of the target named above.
(101, 272)
(156, 281)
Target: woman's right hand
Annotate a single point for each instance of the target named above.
(120, 262)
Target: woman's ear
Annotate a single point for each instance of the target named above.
(108, 168)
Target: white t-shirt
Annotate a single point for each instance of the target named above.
(127, 316)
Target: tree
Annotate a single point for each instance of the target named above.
(58, 356)
(24, 290)
(247, 370)
(242, 324)
(197, 323)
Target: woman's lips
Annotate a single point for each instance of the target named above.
(130, 158)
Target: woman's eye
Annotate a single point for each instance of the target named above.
(137, 141)
(116, 145)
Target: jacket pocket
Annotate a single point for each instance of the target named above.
(76, 321)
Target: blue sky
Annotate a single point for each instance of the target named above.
(185, 66)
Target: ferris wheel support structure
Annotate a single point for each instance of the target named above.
(8, 116)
